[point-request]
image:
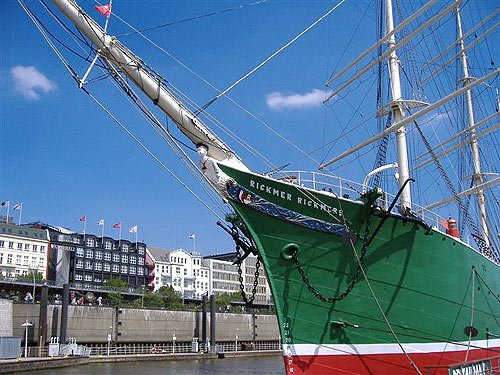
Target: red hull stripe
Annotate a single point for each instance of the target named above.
(432, 363)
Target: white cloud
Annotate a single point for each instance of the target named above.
(279, 101)
(29, 81)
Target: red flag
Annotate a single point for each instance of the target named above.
(117, 225)
(105, 10)
(83, 219)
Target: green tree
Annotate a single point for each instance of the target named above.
(173, 299)
(225, 299)
(117, 284)
(29, 276)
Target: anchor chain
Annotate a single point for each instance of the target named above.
(355, 278)
(248, 301)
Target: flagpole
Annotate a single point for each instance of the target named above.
(102, 231)
(8, 208)
(20, 215)
(84, 228)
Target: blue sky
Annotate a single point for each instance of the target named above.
(63, 157)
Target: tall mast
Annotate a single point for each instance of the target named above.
(477, 176)
(397, 110)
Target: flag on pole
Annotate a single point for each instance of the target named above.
(100, 222)
(18, 207)
(133, 229)
(192, 236)
(117, 225)
(83, 219)
(105, 10)
(6, 203)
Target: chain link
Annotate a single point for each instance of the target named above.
(355, 278)
(248, 301)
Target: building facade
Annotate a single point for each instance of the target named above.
(23, 250)
(193, 276)
(88, 261)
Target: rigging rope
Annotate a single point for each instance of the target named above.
(74, 75)
(192, 18)
(273, 55)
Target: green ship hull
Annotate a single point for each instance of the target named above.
(422, 299)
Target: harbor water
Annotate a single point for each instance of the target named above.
(241, 366)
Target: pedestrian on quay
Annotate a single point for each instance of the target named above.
(28, 298)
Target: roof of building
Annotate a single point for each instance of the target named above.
(22, 231)
(159, 255)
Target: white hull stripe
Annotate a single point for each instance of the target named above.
(360, 349)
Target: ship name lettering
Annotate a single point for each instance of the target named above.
(270, 190)
(319, 206)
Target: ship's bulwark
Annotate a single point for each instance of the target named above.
(429, 287)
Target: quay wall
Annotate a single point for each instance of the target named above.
(93, 324)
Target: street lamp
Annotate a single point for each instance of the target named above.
(26, 325)
(236, 340)
(173, 343)
(142, 298)
(109, 337)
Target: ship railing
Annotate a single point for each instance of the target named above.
(346, 188)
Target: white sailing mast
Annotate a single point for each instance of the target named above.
(477, 177)
(396, 107)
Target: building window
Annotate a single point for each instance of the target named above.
(18, 259)
(141, 250)
(140, 261)
(79, 263)
(41, 262)
(33, 262)
(185, 272)
(107, 257)
(133, 259)
(125, 248)
(11, 245)
(97, 279)
(19, 246)
(90, 242)
(177, 269)
(88, 277)
(107, 267)
(42, 249)
(116, 257)
(98, 266)
(124, 269)
(9, 258)
(140, 271)
(132, 270)
(27, 246)
(35, 248)
(79, 252)
(2, 243)
(98, 255)
(78, 277)
(116, 268)
(107, 245)
(89, 253)
(88, 265)
(124, 258)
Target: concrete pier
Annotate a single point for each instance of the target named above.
(93, 324)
